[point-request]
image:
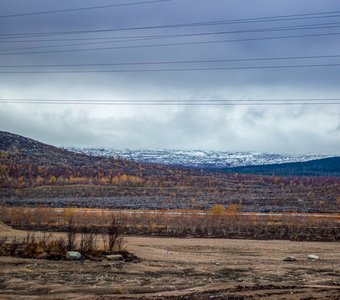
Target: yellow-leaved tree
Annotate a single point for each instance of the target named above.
(218, 210)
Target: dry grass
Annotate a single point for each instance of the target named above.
(222, 224)
(55, 247)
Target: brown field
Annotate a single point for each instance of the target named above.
(181, 268)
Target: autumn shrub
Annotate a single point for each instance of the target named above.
(112, 235)
(3, 241)
(78, 237)
(88, 243)
(33, 246)
(118, 290)
(218, 210)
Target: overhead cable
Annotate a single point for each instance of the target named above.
(174, 62)
(179, 102)
(80, 9)
(293, 17)
(176, 44)
(173, 69)
(143, 38)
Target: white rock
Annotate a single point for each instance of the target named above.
(73, 255)
(313, 257)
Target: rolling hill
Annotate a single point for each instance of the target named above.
(33, 173)
(320, 167)
(28, 153)
(25, 150)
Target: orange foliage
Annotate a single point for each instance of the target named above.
(126, 180)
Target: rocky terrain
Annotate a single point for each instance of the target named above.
(172, 268)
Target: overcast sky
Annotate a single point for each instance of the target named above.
(265, 128)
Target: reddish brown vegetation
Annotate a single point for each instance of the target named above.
(32, 173)
(226, 224)
(78, 237)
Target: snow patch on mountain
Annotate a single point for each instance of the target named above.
(199, 158)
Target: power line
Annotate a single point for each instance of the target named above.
(193, 24)
(158, 36)
(174, 62)
(183, 102)
(175, 44)
(179, 104)
(123, 38)
(173, 70)
(174, 100)
(81, 9)
(143, 38)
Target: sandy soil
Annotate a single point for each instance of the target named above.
(173, 268)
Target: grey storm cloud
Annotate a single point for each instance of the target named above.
(295, 128)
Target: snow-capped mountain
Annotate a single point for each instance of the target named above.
(199, 158)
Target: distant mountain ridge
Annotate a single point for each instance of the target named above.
(34, 173)
(26, 150)
(320, 167)
(198, 159)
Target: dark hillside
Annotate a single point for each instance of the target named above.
(20, 152)
(320, 167)
(22, 149)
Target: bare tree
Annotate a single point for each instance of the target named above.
(112, 237)
(71, 232)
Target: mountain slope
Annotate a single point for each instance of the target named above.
(26, 153)
(23, 149)
(319, 167)
(199, 159)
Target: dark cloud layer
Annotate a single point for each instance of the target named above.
(281, 128)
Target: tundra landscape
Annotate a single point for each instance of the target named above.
(154, 231)
(170, 149)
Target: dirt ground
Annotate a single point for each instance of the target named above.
(174, 268)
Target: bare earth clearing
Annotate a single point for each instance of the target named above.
(174, 268)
